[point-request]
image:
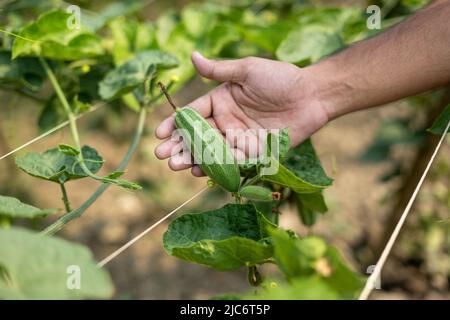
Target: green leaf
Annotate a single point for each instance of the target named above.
(50, 37)
(115, 174)
(308, 44)
(247, 168)
(51, 115)
(159, 58)
(414, 4)
(68, 150)
(53, 165)
(287, 178)
(441, 122)
(122, 183)
(277, 146)
(21, 73)
(331, 18)
(268, 209)
(125, 78)
(134, 72)
(224, 239)
(38, 267)
(97, 20)
(80, 107)
(14, 208)
(342, 278)
(301, 170)
(314, 201)
(130, 37)
(296, 257)
(266, 37)
(311, 256)
(281, 142)
(181, 45)
(113, 178)
(304, 163)
(165, 25)
(217, 38)
(310, 206)
(196, 20)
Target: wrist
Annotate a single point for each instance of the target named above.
(330, 88)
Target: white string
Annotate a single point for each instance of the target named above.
(49, 132)
(370, 284)
(143, 233)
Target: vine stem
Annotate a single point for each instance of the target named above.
(62, 98)
(63, 220)
(71, 117)
(65, 198)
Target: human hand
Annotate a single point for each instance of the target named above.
(256, 93)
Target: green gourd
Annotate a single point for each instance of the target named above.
(258, 193)
(207, 146)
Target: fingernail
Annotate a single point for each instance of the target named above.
(197, 54)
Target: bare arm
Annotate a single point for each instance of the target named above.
(408, 59)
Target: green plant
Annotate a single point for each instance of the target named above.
(119, 61)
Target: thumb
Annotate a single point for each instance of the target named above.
(224, 70)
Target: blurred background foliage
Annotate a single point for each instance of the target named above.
(375, 157)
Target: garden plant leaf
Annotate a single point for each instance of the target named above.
(50, 37)
(309, 206)
(54, 165)
(441, 122)
(311, 256)
(23, 72)
(224, 239)
(13, 208)
(134, 72)
(38, 267)
(308, 44)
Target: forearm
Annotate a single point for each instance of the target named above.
(408, 59)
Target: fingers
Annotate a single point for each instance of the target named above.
(203, 105)
(197, 171)
(238, 154)
(226, 70)
(181, 161)
(246, 141)
(165, 128)
(167, 149)
(180, 157)
(173, 145)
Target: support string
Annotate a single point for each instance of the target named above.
(49, 132)
(370, 283)
(146, 231)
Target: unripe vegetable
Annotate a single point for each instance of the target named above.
(220, 164)
(258, 193)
